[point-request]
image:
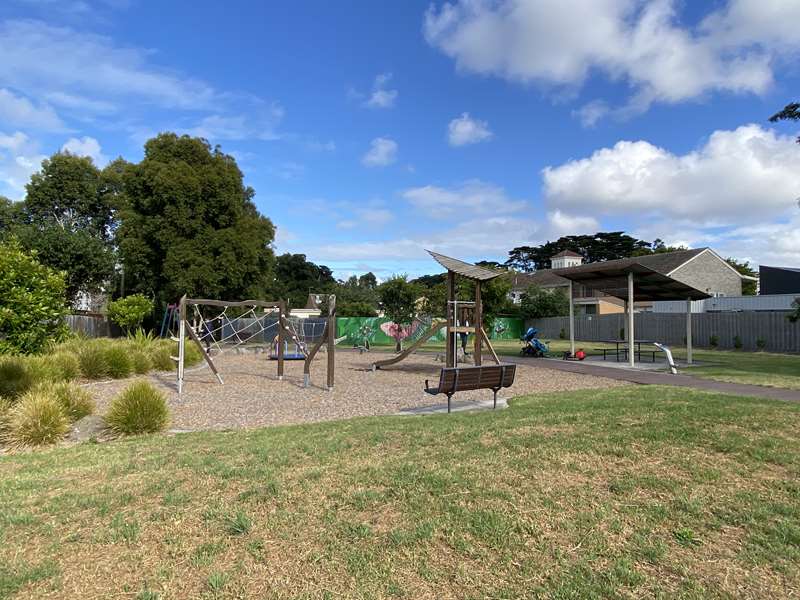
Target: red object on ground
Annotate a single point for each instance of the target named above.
(580, 354)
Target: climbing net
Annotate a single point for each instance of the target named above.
(233, 326)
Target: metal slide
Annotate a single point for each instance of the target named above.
(435, 327)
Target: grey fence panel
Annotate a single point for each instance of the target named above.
(92, 326)
(776, 332)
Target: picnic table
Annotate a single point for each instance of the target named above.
(624, 349)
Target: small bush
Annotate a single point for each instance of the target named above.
(622, 333)
(140, 408)
(129, 312)
(140, 361)
(713, 341)
(5, 416)
(16, 377)
(59, 366)
(74, 400)
(737, 342)
(192, 354)
(93, 362)
(118, 360)
(562, 334)
(36, 419)
(761, 343)
(160, 356)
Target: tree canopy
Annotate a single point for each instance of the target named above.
(593, 248)
(539, 303)
(296, 277)
(189, 224)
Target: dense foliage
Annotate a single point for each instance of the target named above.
(189, 224)
(399, 300)
(749, 287)
(129, 312)
(32, 302)
(296, 278)
(538, 303)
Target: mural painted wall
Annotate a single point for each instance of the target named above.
(380, 330)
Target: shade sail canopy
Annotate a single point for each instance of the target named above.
(465, 269)
(612, 278)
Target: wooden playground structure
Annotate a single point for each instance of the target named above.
(463, 317)
(224, 332)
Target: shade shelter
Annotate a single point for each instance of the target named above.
(629, 280)
(455, 324)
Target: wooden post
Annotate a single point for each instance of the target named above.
(688, 331)
(571, 321)
(451, 319)
(281, 311)
(478, 324)
(631, 335)
(331, 340)
(181, 341)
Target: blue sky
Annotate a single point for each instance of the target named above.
(373, 130)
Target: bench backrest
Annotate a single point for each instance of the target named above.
(459, 379)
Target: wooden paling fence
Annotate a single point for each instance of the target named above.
(773, 329)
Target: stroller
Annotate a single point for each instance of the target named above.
(533, 345)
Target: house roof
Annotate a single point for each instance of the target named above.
(465, 269)
(567, 253)
(543, 278)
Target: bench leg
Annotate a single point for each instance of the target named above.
(448, 402)
(495, 399)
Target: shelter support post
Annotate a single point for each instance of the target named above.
(571, 320)
(688, 331)
(631, 333)
(478, 324)
(181, 342)
(451, 319)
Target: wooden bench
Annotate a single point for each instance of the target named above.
(462, 379)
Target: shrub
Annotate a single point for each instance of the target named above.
(33, 302)
(129, 312)
(737, 342)
(140, 361)
(67, 363)
(562, 334)
(36, 419)
(16, 377)
(761, 343)
(93, 361)
(118, 360)
(140, 408)
(622, 333)
(75, 401)
(192, 354)
(713, 341)
(5, 416)
(160, 355)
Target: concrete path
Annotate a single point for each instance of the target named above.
(455, 406)
(651, 378)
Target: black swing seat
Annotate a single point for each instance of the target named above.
(462, 379)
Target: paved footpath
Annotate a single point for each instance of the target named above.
(660, 378)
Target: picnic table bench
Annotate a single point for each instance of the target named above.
(621, 349)
(462, 379)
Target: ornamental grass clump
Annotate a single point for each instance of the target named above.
(16, 377)
(5, 416)
(118, 360)
(93, 361)
(76, 401)
(140, 408)
(140, 361)
(36, 419)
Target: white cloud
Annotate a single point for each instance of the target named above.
(564, 224)
(473, 197)
(465, 130)
(367, 217)
(38, 57)
(259, 124)
(86, 146)
(589, 114)
(19, 159)
(736, 176)
(21, 112)
(76, 102)
(642, 43)
(382, 152)
(381, 96)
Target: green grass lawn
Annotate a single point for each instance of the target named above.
(758, 368)
(628, 492)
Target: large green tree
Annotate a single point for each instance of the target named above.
(189, 224)
(67, 218)
(539, 303)
(296, 277)
(594, 248)
(399, 300)
(749, 287)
